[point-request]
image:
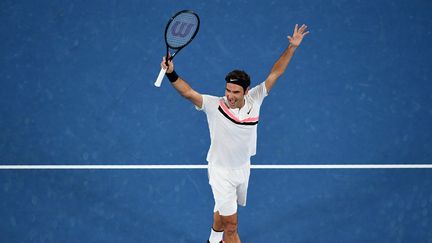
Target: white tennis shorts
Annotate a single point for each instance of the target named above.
(229, 188)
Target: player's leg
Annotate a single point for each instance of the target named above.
(217, 230)
(217, 222)
(230, 223)
(218, 189)
(224, 193)
(230, 229)
(238, 180)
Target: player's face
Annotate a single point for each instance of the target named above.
(235, 95)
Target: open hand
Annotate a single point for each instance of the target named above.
(298, 35)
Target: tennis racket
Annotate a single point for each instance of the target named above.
(179, 32)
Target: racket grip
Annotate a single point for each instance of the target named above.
(160, 77)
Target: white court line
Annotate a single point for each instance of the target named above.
(187, 167)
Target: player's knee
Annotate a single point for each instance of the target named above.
(218, 227)
(230, 227)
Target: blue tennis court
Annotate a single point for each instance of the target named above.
(176, 206)
(77, 89)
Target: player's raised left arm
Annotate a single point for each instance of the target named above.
(282, 63)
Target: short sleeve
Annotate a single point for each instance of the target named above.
(208, 101)
(258, 93)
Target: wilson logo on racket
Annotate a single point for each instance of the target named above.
(179, 32)
(181, 29)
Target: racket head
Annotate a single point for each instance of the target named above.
(181, 29)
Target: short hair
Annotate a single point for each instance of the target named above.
(238, 77)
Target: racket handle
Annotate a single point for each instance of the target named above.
(160, 77)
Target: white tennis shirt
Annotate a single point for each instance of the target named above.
(233, 132)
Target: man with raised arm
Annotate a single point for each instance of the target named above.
(232, 121)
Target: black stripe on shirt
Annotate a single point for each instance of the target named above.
(236, 122)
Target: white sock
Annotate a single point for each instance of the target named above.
(215, 236)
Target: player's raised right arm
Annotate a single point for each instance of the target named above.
(182, 87)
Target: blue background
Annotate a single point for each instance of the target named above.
(77, 88)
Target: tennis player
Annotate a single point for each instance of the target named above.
(232, 121)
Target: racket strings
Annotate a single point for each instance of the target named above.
(181, 30)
